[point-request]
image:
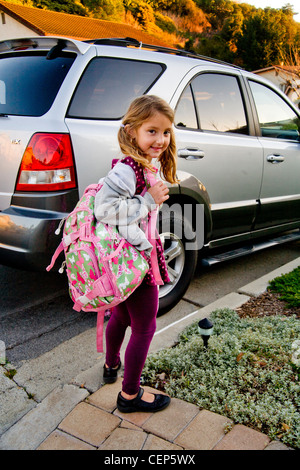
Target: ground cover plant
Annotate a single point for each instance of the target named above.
(249, 372)
(288, 286)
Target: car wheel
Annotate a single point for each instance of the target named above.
(176, 234)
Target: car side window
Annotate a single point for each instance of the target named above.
(108, 85)
(276, 118)
(219, 104)
(185, 114)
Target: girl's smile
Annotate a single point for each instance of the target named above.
(153, 136)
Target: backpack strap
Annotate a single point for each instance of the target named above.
(151, 230)
(99, 331)
(93, 187)
(152, 233)
(57, 252)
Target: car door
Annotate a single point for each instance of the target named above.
(279, 125)
(216, 143)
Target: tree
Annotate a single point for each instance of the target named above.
(105, 9)
(217, 11)
(265, 38)
(141, 11)
(66, 6)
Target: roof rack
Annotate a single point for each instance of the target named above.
(131, 42)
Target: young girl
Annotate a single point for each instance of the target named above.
(146, 134)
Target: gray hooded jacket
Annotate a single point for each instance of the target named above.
(117, 204)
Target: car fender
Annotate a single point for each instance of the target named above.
(192, 191)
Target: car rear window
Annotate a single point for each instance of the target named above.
(108, 85)
(29, 82)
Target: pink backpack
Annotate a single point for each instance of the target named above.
(103, 269)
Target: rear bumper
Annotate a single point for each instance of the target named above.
(27, 238)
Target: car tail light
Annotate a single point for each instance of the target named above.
(47, 164)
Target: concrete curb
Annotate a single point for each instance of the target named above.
(259, 286)
(38, 422)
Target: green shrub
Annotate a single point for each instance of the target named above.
(164, 22)
(246, 372)
(288, 286)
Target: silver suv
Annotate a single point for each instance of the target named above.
(61, 104)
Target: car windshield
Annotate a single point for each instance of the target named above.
(29, 82)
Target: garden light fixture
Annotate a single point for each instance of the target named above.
(205, 328)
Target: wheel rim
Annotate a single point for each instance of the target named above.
(175, 260)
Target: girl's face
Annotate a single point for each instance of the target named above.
(153, 136)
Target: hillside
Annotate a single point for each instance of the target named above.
(224, 29)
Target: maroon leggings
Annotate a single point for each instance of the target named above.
(138, 311)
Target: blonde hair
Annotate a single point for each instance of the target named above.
(140, 110)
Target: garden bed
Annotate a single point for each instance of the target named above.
(268, 303)
(247, 372)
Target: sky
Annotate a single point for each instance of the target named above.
(276, 4)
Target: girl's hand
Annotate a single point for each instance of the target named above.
(159, 192)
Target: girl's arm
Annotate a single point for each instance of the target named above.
(116, 202)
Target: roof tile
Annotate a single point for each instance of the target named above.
(52, 23)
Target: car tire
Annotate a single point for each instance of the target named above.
(177, 236)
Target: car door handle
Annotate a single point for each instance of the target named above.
(190, 154)
(275, 158)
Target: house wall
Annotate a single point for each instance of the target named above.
(280, 80)
(276, 79)
(11, 28)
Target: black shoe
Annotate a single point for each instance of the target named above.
(110, 374)
(137, 404)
